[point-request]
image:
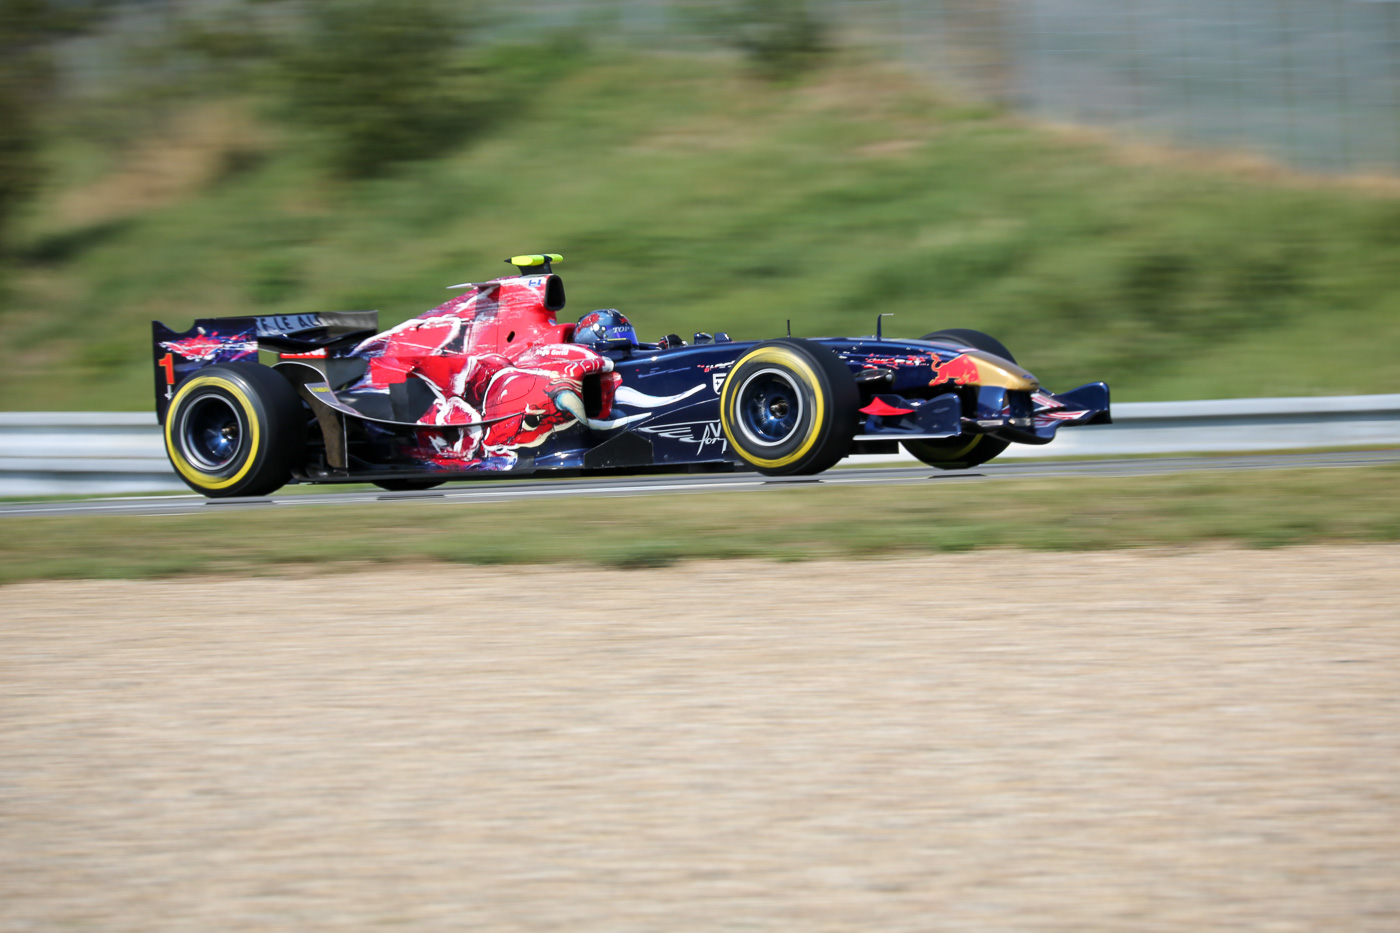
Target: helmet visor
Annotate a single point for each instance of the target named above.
(618, 335)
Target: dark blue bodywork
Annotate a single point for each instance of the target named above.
(658, 410)
(684, 430)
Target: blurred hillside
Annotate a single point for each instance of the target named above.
(227, 174)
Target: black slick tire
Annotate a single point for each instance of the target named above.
(235, 429)
(972, 338)
(789, 407)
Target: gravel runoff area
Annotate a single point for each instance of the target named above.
(1188, 740)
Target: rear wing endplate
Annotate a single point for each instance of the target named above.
(176, 354)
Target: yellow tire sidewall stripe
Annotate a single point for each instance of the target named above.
(188, 470)
(976, 439)
(795, 362)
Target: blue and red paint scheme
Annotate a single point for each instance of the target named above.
(491, 382)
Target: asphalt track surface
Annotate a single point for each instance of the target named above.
(504, 490)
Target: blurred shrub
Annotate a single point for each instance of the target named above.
(28, 31)
(19, 170)
(781, 38)
(380, 81)
(274, 279)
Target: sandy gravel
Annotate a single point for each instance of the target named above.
(1118, 741)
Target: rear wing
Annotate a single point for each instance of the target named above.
(230, 339)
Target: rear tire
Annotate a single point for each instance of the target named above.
(961, 453)
(789, 407)
(235, 429)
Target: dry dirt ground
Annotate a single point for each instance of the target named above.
(1180, 741)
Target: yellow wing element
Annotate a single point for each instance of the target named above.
(534, 259)
(995, 371)
(978, 367)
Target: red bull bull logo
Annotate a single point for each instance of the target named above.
(960, 370)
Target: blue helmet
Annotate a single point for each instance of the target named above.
(605, 329)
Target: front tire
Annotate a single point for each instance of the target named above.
(789, 407)
(235, 429)
(961, 453)
(972, 338)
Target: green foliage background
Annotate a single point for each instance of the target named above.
(29, 31)
(352, 160)
(381, 81)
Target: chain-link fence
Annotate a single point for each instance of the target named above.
(1311, 83)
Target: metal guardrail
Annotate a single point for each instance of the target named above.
(105, 453)
(83, 452)
(1232, 425)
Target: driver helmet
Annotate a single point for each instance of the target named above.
(605, 329)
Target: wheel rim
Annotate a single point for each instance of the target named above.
(211, 432)
(769, 406)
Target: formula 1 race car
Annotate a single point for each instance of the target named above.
(491, 383)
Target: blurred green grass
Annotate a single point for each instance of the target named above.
(1259, 509)
(694, 197)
